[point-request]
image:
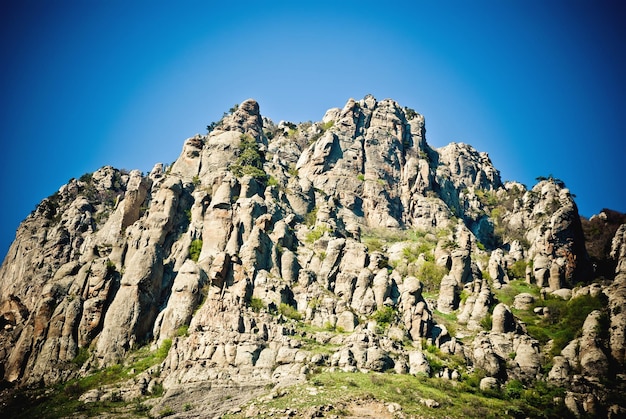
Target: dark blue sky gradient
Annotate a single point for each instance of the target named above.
(539, 85)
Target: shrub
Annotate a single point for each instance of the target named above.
(271, 181)
(517, 270)
(487, 322)
(249, 162)
(373, 244)
(256, 304)
(292, 170)
(81, 357)
(314, 235)
(409, 113)
(431, 274)
(166, 411)
(289, 311)
(183, 330)
(194, 249)
(384, 316)
(311, 217)
(110, 267)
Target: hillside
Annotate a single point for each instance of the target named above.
(342, 268)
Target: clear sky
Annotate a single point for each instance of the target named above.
(539, 85)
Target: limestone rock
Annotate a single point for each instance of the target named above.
(523, 301)
(182, 302)
(489, 383)
(448, 295)
(503, 320)
(418, 364)
(593, 361)
(131, 315)
(301, 247)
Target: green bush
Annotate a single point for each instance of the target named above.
(166, 411)
(292, 170)
(487, 322)
(430, 274)
(328, 125)
(514, 389)
(194, 249)
(311, 217)
(316, 234)
(256, 304)
(183, 330)
(271, 181)
(384, 316)
(517, 270)
(81, 357)
(249, 162)
(289, 311)
(373, 244)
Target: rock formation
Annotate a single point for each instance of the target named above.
(266, 251)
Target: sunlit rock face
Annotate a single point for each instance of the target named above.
(267, 251)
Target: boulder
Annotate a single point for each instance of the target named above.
(524, 301)
(503, 320)
(418, 363)
(489, 384)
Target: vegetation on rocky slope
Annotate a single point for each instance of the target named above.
(311, 270)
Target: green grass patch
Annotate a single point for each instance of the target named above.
(62, 400)
(289, 312)
(341, 390)
(507, 293)
(183, 330)
(256, 304)
(316, 234)
(565, 319)
(194, 249)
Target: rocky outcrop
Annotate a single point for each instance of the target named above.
(616, 293)
(268, 251)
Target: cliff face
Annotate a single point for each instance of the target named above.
(263, 241)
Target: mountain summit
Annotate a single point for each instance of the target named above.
(286, 255)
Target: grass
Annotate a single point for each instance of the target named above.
(306, 331)
(462, 399)
(256, 304)
(289, 312)
(565, 320)
(62, 399)
(194, 249)
(384, 316)
(507, 293)
(316, 234)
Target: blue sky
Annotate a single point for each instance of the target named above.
(539, 85)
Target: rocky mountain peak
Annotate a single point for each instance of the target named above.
(267, 253)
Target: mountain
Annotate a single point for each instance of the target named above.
(283, 263)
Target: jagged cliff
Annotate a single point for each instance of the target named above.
(267, 251)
